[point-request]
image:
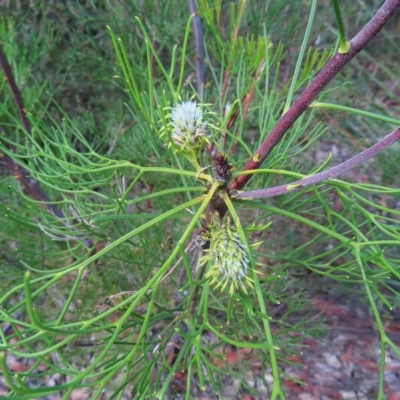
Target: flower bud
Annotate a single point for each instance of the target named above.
(230, 265)
(188, 131)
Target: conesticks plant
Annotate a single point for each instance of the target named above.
(151, 256)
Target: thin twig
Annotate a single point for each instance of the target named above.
(324, 175)
(31, 186)
(14, 91)
(331, 69)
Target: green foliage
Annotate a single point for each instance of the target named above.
(146, 286)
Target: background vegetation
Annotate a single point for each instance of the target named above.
(88, 131)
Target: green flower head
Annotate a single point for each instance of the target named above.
(230, 265)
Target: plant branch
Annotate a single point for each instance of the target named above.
(324, 175)
(31, 186)
(331, 69)
(9, 77)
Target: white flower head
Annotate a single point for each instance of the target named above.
(188, 129)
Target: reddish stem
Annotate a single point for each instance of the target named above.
(31, 186)
(325, 175)
(331, 69)
(14, 90)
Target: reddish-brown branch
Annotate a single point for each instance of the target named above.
(331, 69)
(14, 90)
(324, 175)
(30, 185)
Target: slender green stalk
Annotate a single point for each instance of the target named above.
(382, 334)
(183, 62)
(344, 46)
(102, 252)
(132, 306)
(351, 110)
(300, 57)
(276, 390)
(156, 56)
